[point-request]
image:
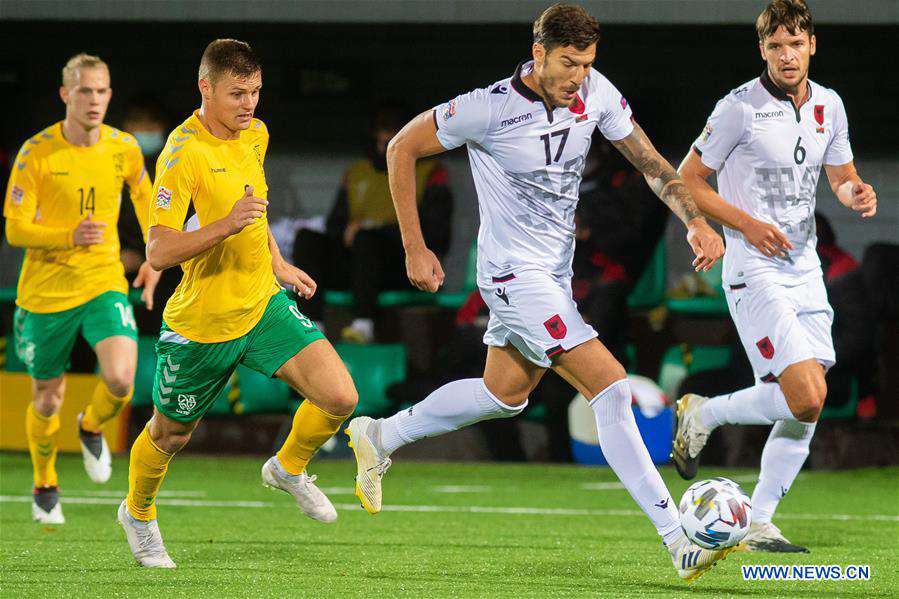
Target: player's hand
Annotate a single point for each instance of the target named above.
(423, 269)
(148, 279)
(766, 238)
(349, 234)
(864, 199)
(707, 245)
(88, 231)
(292, 276)
(247, 210)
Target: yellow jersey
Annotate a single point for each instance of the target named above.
(56, 184)
(368, 191)
(225, 289)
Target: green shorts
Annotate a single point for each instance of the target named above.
(191, 375)
(44, 341)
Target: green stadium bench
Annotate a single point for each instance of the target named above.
(680, 361)
(374, 368)
(704, 306)
(386, 299)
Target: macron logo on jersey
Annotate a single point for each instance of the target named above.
(516, 119)
(774, 114)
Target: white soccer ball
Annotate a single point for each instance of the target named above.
(715, 513)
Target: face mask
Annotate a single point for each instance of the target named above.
(150, 142)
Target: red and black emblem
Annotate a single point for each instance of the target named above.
(819, 113)
(556, 328)
(766, 348)
(578, 106)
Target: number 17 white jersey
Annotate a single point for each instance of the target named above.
(768, 156)
(526, 161)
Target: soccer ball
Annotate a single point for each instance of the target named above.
(715, 513)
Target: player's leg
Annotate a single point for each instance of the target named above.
(502, 393)
(286, 344)
(772, 336)
(595, 373)
(41, 429)
(189, 378)
(44, 342)
(109, 327)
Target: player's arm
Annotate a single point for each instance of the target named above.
(665, 183)
(287, 273)
(140, 188)
(851, 190)
(767, 238)
(168, 247)
(21, 206)
(416, 140)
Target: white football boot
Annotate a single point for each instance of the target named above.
(692, 561)
(310, 498)
(45, 506)
(95, 451)
(145, 540)
(370, 463)
(765, 536)
(690, 435)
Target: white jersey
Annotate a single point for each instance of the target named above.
(527, 161)
(768, 157)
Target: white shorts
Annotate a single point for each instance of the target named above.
(781, 325)
(534, 311)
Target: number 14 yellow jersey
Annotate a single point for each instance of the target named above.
(56, 184)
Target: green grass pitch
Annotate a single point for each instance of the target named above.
(449, 530)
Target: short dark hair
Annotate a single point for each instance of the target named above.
(794, 15)
(565, 25)
(228, 57)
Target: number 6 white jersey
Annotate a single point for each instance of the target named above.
(527, 162)
(768, 157)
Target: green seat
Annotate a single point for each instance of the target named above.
(386, 299)
(8, 295)
(374, 368)
(683, 360)
(706, 305)
(249, 392)
(649, 291)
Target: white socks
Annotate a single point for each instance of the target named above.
(449, 408)
(764, 403)
(782, 459)
(626, 453)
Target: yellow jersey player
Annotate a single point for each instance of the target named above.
(229, 308)
(62, 206)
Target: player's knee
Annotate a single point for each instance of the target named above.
(808, 403)
(120, 383)
(47, 398)
(343, 401)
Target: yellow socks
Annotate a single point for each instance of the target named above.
(104, 406)
(145, 473)
(312, 426)
(41, 432)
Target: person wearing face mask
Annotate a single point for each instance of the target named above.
(147, 120)
(362, 236)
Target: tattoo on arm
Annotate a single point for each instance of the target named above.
(660, 175)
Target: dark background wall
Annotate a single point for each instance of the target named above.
(320, 80)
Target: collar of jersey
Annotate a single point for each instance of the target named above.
(529, 94)
(780, 94)
(89, 148)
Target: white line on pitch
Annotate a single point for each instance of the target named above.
(462, 489)
(470, 509)
(123, 492)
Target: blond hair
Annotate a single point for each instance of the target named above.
(77, 62)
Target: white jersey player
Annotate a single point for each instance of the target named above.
(767, 141)
(527, 138)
